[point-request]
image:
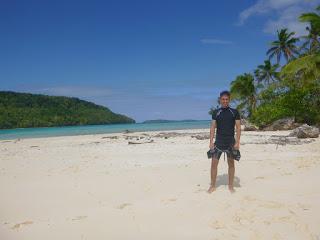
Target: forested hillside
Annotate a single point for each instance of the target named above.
(23, 110)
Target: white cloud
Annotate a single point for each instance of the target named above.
(265, 6)
(288, 19)
(281, 14)
(214, 41)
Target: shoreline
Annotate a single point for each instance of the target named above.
(169, 128)
(151, 132)
(97, 134)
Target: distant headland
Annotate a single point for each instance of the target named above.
(26, 110)
(167, 121)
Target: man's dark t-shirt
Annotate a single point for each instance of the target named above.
(225, 122)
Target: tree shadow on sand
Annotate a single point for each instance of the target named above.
(224, 180)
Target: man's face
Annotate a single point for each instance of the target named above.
(224, 100)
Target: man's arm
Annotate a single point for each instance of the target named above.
(212, 132)
(238, 130)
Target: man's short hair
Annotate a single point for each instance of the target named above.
(225, 93)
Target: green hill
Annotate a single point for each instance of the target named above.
(24, 110)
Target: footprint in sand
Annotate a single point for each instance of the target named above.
(200, 190)
(123, 205)
(217, 225)
(169, 200)
(271, 204)
(250, 198)
(304, 206)
(18, 225)
(266, 222)
(304, 164)
(147, 189)
(172, 199)
(266, 204)
(244, 217)
(79, 218)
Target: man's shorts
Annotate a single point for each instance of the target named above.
(225, 147)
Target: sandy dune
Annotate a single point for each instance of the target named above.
(101, 187)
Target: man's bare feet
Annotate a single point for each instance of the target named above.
(231, 189)
(211, 189)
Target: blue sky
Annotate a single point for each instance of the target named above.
(146, 59)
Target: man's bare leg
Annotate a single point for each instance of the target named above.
(231, 170)
(213, 173)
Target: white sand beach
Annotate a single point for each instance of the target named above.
(101, 187)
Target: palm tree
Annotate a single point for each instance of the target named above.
(313, 18)
(312, 39)
(244, 90)
(302, 79)
(285, 45)
(312, 43)
(302, 71)
(267, 72)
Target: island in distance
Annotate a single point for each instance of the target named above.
(26, 110)
(168, 121)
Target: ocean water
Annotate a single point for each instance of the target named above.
(7, 134)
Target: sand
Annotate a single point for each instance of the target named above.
(101, 187)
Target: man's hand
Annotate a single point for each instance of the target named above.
(211, 145)
(236, 145)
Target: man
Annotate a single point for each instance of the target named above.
(224, 119)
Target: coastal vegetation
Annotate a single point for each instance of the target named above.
(291, 89)
(24, 110)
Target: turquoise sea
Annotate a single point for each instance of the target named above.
(97, 129)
